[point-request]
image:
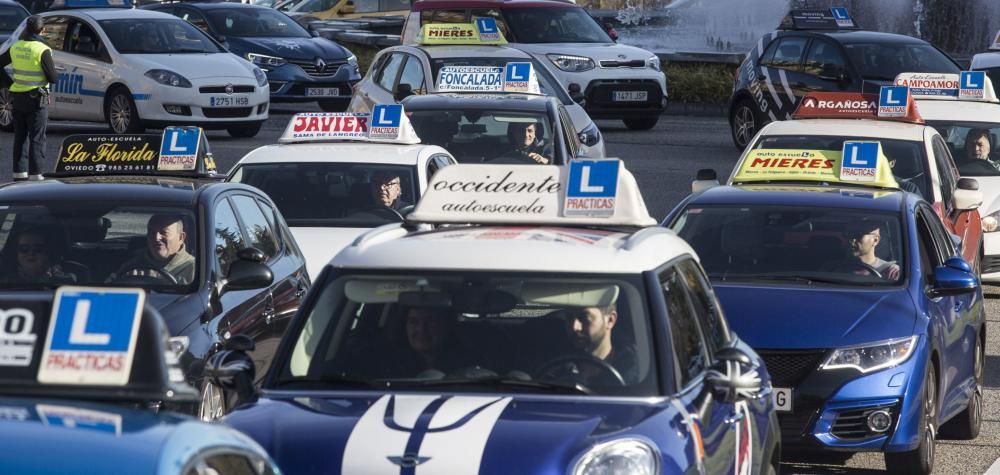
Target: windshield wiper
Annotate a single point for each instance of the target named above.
(499, 382)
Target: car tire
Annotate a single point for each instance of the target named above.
(921, 459)
(744, 123)
(121, 113)
(334, 106)
(966, 425)
(6, 110)
(245, 131)
(641, 123)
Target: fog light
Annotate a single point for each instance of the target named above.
(879, 421)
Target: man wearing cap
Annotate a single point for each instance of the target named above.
(165, 251)
(591, 327)
(33, 69)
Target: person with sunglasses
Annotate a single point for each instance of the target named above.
(35, 260)
(387, 186)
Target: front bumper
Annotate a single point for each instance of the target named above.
(600, 84)
(830, 408)
(292, 81)
(991, 257)
(206, 103)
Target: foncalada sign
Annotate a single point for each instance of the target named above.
(470, 79)
(592, 188)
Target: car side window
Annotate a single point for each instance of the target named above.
(572, 139)
(788, 54)
(689, 345)
(706, 308)
(824, 60)
(82, 40)
(929, 258)
(436, 163)
(194, 18)
(942, 237)
(56, 28)
(272, 221)
(946, 171)
(413, 74)
(228, 237)
(255, 226)
(442, 16)
(387, 76)
(768, 56)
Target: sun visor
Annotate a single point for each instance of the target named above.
(861, 163)
(513, 77)
(967, 86)
(388, 123)
(382, 291)
(483, 31)
(571, 295)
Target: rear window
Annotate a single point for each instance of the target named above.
(554, 25)
(883, 62)
(10, 17)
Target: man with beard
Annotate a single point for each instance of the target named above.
(590, 329)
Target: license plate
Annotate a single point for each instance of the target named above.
(629, 96)
(782, 399)
(322, 91)
(229, 101)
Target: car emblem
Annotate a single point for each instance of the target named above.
(320, 64)
(229, 89)
(622, 56)
(408, 460)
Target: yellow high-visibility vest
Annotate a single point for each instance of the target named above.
(26, 60)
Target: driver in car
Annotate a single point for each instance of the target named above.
(387, 186)
(165, 251)
(591, 327)
(978, 145)
(864, 238)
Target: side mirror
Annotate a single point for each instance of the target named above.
(576, 93)
(705, 179)
(312, 30)
(248, 272)
(232, 370)
(403, 90)
(955, 277)
(734, 376)
(967, 195)
(220, 39)
(612, 33)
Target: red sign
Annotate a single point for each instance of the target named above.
(848, 105)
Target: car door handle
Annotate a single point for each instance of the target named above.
(269, 314)
(958, 305)
(734, 418)
(300, 292)
(60, 68)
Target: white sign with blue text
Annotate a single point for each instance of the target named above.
(385, 121)
(892, 101)
(859, 161)
(179, 149)
(591, 188)
(842, 18)
(488, 30)
(92, 336)
(972, 85)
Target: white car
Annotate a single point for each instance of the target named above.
(989, 61)
(618, 81)
(955, 119)
(401, 71)
(326, 185)
(138, 69)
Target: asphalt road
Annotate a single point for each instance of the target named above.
(664, 162)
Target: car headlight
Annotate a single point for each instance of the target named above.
(653, 63)
(591, 135)
(570, 63)
(630, 456)
(872, 356)
(991, 222)
(353, 61)
(265, 60)
(168, 78)
(178, 345)
(260, 76)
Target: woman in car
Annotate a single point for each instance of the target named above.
(32, 257)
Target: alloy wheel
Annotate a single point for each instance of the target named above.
(745, 125)
(212, 406)
(6, 109)
(121, 114)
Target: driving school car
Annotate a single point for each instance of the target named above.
(989, 61)
(138, 69)
(527, 310)
(323, 176)
(888, 319)
(77, 372)
(920, 159)
(150, 211)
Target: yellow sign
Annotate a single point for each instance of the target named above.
(774, 165)
(459, 34)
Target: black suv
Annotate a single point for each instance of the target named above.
(813, 51)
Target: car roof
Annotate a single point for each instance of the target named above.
(484, 101)
(860, 36)
(986, 60)
(831, 196)
(465, 51)
(453, 4)
(959, 111)
(113, 13)
(126, 189)
(214, 5)
(342, 152)
(514, 248)
(847, 128)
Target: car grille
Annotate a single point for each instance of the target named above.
(222, 89)
(601, 92)
(789, 368)
(311, 69)
(635, 63)
(853, 423)
(226, 112)
(799, 422)
(991, 264)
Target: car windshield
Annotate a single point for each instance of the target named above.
(334, 194)
(546, 83)
(883, 61)
(554, 25)
(307, 6)
(255, 22)
(47, 245)
(975, 146)
(907, 158)
(799, 244)
(157, 36)
(483, 136)
(474, 331)
(10, 17)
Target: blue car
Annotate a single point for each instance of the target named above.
(871, 325)
(84, 378)
(300, 65)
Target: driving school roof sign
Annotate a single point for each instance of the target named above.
(967, 86)
(512, 77)
(388, 123)
(865, 166)
(483, 32)
(849, 105)
(179, 149)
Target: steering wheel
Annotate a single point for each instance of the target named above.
(512, 157)
(133, 273)
(857, 264)
(379, 212)
(608, 372)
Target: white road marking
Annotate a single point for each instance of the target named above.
(994, 469)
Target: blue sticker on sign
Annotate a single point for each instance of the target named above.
(487, 28)
(179, 148)
(517, 72)
(592, 188)
(386, 120)
(892, 101)
(842, 18)
(79, 418)
(972, 85)
(859, 161)
(92, 336)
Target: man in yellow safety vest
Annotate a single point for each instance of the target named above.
(33, 70)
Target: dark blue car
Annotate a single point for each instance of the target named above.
(871, 325)
(300, 65)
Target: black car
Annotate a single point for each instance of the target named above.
(814, 51)
(11, 15)
(215, 258)
(300, 65)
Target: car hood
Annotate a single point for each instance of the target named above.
(369, 433)
(178, 310)
(765, 316)
(595, 51)
(319, 245)
(990, 186)
(196, 66)
(306, 49)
